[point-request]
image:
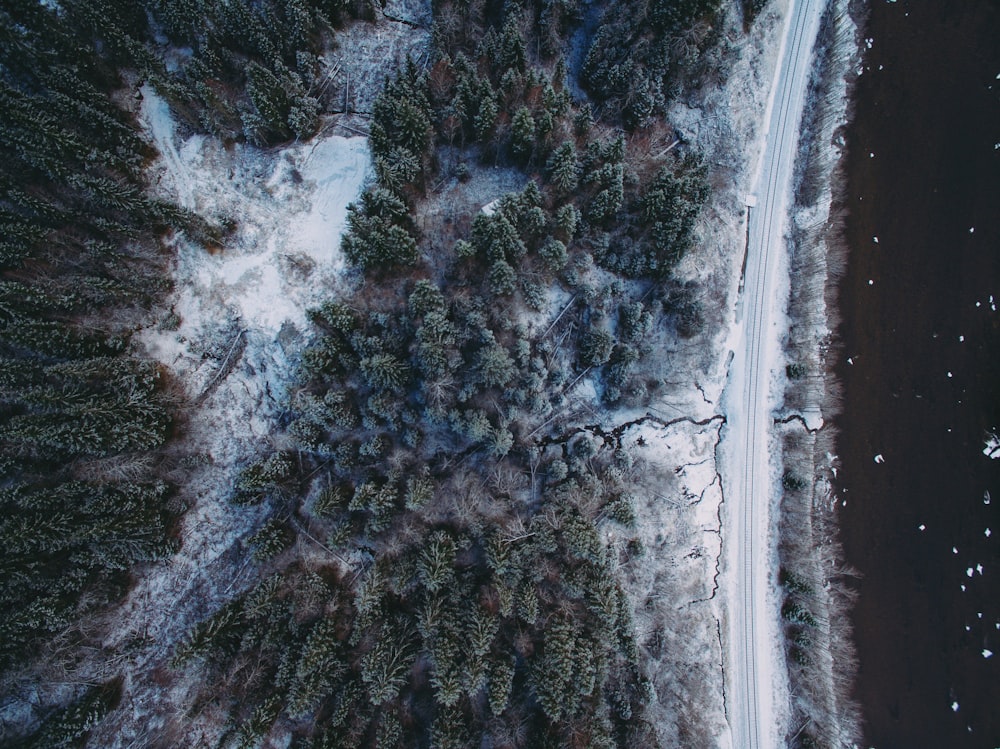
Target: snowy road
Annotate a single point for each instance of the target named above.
(754, 680)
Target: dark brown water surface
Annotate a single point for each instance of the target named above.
(931, 119)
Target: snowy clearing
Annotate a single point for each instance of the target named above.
(230, 340)
(674, 578)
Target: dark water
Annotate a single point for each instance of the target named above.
(931, 118)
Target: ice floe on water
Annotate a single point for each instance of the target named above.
(991, 450)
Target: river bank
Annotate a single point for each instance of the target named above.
(920, 369)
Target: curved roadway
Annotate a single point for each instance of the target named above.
(751, 669)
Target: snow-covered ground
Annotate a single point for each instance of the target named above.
(673, 580)
(237, 314)
(810, 542)
(230, 341)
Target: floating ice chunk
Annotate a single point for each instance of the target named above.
(875, 240)
(972, 230)
(871, 154)
(987, 653)
(850, 360)
(986, 497)
(979, 304)
(881, 67)
(962, 587)
(987, 533)
(954, 706)
(921, 527)
(961, 339)
(949, 375)
(879, 458)
(992, 448)
(871, 282)
(979, 568)
(954, 550)
(969, 572)
(968, 628)
(869, 42)
(979, 614)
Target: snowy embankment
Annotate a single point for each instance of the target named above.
(230, 338)
(809, 544)
(756, 678)
(679, 589)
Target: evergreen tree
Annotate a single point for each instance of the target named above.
(493, 365)
(384, 668)
(522, 138)
(319, 671)
(69, 726)
(564, 169)
(502, 278)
